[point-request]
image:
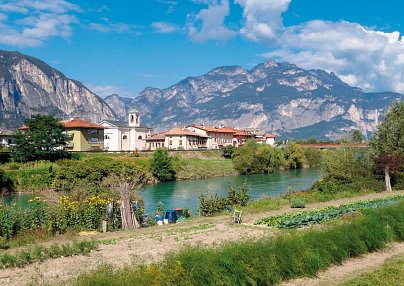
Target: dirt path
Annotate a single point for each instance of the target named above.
(352, 268)
(152, 244)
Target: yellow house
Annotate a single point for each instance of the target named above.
(85, 135)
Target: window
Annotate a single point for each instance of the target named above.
(180, 142)
(92, 131)
(106, 137)
(131, 119)
(137, 119)
(171, 142)
(140, 137)
(10, 141)
(125, 137)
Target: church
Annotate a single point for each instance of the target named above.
(125, 136)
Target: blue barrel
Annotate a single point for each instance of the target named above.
(171, 215)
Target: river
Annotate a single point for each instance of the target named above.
(181, 194)
(185, 194)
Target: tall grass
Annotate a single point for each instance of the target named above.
(264, 262)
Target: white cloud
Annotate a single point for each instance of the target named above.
(36, 21)
(361, 56)
(112, 27)
(208, 24)
(163, 27)
(263, 18)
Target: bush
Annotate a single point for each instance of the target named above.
(213, 204)
(162, 165)
(256, 159)
(210, 204)
(298, 203)
(227, 151)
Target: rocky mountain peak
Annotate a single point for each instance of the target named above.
(29, 86)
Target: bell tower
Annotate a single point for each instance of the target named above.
(134, 118)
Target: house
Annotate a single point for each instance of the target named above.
(217, 136)
(84, 135)
(262, 137)
(241, 136)
(6, 138)
(156, 141)
(185, 139)
(125, 136)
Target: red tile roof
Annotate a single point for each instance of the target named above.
(157, 137)
(269, 135)
(78, 123)
(215, 129)
(181, 131)
(243, 133)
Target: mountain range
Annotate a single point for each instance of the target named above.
(277, 97)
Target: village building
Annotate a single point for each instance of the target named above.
(125, 136)
(263, 137)
(156, 141)
(217, 136)
(84, 135)
(241, 137)
(185, 139)
(6, 138)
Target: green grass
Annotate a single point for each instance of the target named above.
(195, 168)
(262, 262)
(40, 253)
(390, 274)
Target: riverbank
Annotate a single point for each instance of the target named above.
(152, 244)
(38, 176)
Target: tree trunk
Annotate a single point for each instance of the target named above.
(387, 179)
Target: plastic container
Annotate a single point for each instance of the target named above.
(171, 215)
(159, 222)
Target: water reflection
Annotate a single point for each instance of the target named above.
(186, 193)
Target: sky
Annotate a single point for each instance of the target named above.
(123, 46)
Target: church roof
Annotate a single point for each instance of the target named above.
(133, 110)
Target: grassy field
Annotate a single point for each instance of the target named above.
(391, 274)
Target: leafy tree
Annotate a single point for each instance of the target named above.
(44, 140)
(227, 151)
(313, 156)
(294, 155)
(387, 143)
(254, 159)
(6, 185)
(162, 166)
(357, 136)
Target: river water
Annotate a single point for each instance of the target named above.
(185, 194)
(181, 194)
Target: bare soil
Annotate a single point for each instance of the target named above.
(152, 244)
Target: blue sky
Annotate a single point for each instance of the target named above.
(124, 46)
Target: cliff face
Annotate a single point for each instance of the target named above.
(277, 97)
(29, 86)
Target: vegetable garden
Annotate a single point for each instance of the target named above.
(295, 220)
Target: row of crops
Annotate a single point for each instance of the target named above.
(294, 220)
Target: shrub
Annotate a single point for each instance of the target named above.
(298, 203)
(227, 151)
(239, 197)
(210, 204)
(162, 166)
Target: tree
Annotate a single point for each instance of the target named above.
(162, 166)
(387, 143)
(357, 136)
(43, 140)
(313, 156)
(294, 155)
(227, 151)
